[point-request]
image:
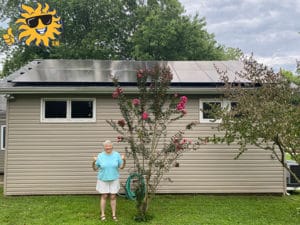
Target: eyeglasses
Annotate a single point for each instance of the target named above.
(34, 21)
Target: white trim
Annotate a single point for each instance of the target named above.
(102, 90)
(3, 138)
(224, 103)
(68, 118)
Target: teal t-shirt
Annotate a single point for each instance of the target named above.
(109, 166)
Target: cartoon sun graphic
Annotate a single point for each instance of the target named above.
(38, 25)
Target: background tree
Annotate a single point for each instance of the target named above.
(117, 29)
(266, 113)
(143, 126)
(291, 77)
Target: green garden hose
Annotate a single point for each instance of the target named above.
(141, 187)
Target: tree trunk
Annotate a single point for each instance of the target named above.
(282, 159)
(142, 197)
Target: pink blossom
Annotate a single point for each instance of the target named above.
(139, 75)
(176, 95)
(136, 101)
(121, 123)
(120, 138)
(178, 147)
(180, 106)
(117, 92)
(183, 99)
(183, 141)
(145, 115)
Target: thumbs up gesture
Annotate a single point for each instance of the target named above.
(123, 157)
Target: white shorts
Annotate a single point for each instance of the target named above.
(108, 187)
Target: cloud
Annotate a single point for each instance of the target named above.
(263, 27)
(277, 62)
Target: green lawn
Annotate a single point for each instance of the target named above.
(167, 210)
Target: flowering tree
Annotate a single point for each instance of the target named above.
(144, 122)
(266, 113)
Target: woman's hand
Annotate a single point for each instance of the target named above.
(123, 157)
(95, 158)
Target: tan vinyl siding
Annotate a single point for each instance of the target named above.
(2, 152)
(2, 155)
(55, 158)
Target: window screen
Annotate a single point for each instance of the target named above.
(3, 139)
(82, 109)
(55, 109)
(234, 110)
(209, 108)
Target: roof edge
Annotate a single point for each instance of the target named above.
(103, 90)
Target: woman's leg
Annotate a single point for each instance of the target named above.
(103, 204)
(113, 204)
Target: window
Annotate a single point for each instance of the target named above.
(207, 108)
(55, 109)
(3, 137)
(233, 105)
(68, 110)
(82, 109)
(233, 109)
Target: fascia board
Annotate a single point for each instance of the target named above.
(102, 90)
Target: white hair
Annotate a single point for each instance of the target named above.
(107, 142)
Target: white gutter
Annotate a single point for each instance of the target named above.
(101, 90)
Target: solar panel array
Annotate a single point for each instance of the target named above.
(100, 71)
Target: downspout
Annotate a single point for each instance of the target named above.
(284, 179)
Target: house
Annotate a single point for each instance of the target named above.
(2, 132)
(56, 122)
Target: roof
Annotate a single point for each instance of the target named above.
(60, 75)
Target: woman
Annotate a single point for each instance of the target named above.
(108, 162)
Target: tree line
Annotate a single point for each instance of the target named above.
(118, 30)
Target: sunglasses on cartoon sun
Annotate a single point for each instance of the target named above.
(34, 21)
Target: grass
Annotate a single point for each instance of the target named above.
(167, 209)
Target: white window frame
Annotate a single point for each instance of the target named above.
(224, 103)
(3, 137)
(68, 118)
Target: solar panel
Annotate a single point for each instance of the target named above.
(52, 70)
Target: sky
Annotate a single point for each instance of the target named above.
(267, 28)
